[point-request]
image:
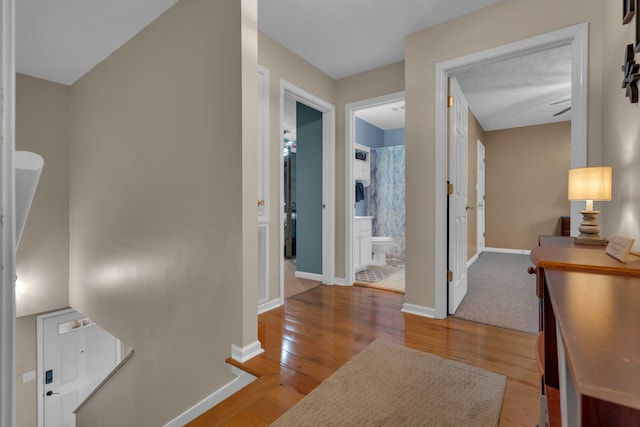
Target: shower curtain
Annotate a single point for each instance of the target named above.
(386, 196)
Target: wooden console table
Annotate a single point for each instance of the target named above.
(590, 321)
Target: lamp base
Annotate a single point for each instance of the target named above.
(587, 240)
(590, 230)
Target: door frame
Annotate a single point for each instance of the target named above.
(577, 36)
(480, 235)
(328, 179)
(350, 138)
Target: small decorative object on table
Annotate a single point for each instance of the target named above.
(619, 247)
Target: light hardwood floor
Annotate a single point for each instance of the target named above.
(317, 331)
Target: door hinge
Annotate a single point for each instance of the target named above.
(449, 188)
(450, 101)
(450, 276)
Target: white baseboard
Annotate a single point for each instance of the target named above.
(242, 380)
(419, 310)
(472, 260)
(242, 354)
(341, 282)
(269, 305)
(508, 251)
(309, 276)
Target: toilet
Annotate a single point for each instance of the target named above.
(380, 245)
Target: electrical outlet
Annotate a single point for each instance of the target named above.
(28, 376)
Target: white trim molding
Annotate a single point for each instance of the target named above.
(472, 260)
(242, 354)
(241, 381)
(309, 276)
(577, 37)
(419, 310)
(269, 305)
(507, 251)
(340, 281)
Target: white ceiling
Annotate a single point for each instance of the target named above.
(521, 91)
(385, 116)
(343, 38)
(61, 40)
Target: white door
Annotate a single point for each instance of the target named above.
(458, 145)
(77, 355)
(263, 185)
(481, 197)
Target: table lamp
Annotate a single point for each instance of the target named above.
(589, 184)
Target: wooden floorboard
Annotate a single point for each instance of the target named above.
(318, 331)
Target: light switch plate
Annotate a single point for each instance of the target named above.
(28, 376)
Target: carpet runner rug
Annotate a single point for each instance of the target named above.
(390, 385)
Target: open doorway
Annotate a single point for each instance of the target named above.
(375, 231)
(302, 197)
(575, 37)
(307, 217)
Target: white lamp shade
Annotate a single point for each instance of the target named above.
(593, 183)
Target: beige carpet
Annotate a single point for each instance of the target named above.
(500, 292)
(390, 385)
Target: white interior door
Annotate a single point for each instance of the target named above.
(263, 185)
(77, 355)
(458, 155)
(481, 197)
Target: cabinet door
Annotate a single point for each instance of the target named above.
(356, 244)
(366, 255)
(365, 242)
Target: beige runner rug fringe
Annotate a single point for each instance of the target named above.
(390, 385)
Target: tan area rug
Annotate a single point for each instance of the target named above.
(390, 385)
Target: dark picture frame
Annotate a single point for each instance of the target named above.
(628, 10)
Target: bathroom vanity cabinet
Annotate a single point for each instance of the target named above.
(361, 242)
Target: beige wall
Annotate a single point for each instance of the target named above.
(526, 184)
(476, 133)
(621, 132)
(26, 401)
(500, 24)
(160, 169)
(42, 259)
